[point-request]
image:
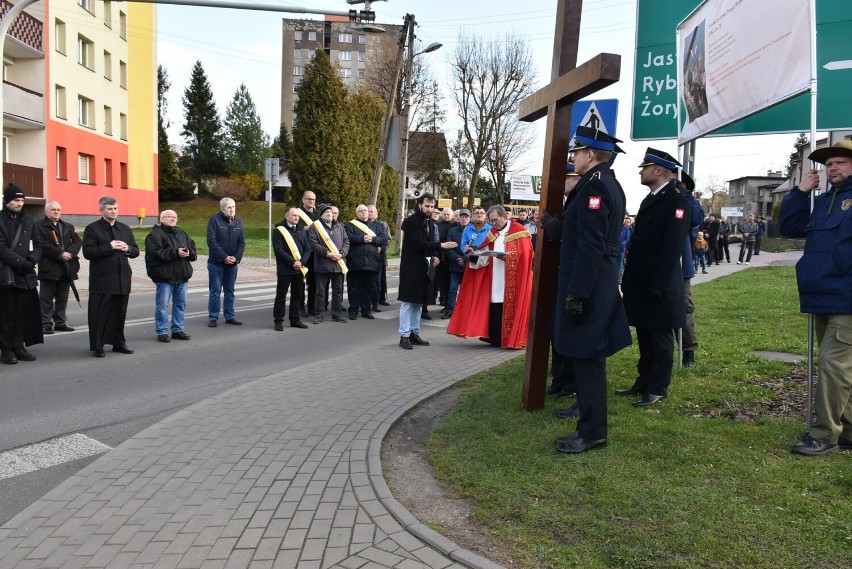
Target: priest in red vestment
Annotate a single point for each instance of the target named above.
(494, 299)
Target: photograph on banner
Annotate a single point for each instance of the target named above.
(525, 188)
(729, 67)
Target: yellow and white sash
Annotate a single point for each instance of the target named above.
(320, 228)
(303, 215)
(294, 249)
(363, 227)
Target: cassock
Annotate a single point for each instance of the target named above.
(494, 297)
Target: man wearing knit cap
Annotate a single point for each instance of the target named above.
(20, 250)
(825, 290)
(329, 245)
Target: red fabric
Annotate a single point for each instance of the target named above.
(470, 315)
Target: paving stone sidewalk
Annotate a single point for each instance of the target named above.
(283, 472)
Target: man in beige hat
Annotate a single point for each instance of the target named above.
(825, 290)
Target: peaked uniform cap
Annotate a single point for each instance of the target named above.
(587, 137)
(659, 158)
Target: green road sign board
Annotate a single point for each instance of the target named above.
(655, 75)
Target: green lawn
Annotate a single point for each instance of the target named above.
(673, 488)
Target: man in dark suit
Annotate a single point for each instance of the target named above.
(292, 253)
(108, 244)
(653, 277)
(590, 324)
(58, 267)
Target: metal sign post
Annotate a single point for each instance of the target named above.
(271, 175)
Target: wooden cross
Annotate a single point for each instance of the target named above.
(569, 83)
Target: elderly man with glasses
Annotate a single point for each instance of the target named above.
(366, 239)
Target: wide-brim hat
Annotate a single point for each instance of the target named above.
(659, 158)
(842, 149)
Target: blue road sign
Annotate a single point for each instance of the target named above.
(601, 114)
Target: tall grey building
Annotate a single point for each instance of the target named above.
(349, 48)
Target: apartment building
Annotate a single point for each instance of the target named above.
(81, 121)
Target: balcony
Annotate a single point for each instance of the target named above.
(26, 35)
(29, 179)
(22, 109)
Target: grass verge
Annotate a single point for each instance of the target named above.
(672, 489)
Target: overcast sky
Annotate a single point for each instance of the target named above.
(237, 46)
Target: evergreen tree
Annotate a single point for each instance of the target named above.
(202, 130)
(246, 143)
(171, 186)
(795, 156)
(282, 147)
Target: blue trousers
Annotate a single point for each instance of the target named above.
(221, 277)
(174, 293)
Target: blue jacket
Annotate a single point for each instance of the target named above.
(824, 272)
(696, 218)
(225, 239)
(453, 255)
(468, 235)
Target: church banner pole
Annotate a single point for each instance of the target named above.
(809, 408)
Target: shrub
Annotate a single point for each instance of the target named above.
(239, 187)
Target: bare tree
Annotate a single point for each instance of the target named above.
(512, 139)
(713, 195)
(491, 77)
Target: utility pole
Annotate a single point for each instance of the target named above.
(406, 109)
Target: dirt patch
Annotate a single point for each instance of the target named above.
(410, 477)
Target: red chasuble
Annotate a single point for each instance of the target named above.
(470, 316)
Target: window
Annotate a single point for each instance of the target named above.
(85, 52)
(107, 65)
(297, 53)
(84, 161)
(108, 14)
(297, 70)
(346, 73)
(361, 73)
(61, 163)
(362, 56)
(345, 38)
(312, 53)
(362, 39)
(122, 25)
(345, 55)
(122, 74)
(122, 171)
(85, 111)
(295, 87)
(87, 5)
(297, 36)
(108, 172)
(59, 39)
(107, 120)
(312, 36)
(59, 95)
(122, 119)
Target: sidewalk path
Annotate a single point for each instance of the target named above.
(283, 472)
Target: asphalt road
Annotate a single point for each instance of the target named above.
(68, 391)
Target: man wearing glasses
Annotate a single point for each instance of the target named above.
(307, 215)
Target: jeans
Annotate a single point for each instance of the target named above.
(166, 293)
(455, 281)
(409, 318)
(221, 276)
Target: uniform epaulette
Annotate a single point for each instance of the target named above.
(596, 175)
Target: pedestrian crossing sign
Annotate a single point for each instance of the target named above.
(601, 114)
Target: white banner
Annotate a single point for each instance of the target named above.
(525, 188)
(738, 57)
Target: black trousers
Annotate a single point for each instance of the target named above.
(591, 397)
(562, 370)
(495, 324)
(442, 282)
(311, 281)
(746, 245)
(723, 249)
(14, 309)
(53, 298)
(713, 251)
(296, 285)
(323, 280)
(360, 285)
(107, 313)
(656, 350)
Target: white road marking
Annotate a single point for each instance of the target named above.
(48, 453)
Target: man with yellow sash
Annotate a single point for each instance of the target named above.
(366, 239)
(307, 215)
(292, 253)
(329, 245)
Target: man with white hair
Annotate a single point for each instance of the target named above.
(58, 267)
(169, 253)
(226, 243)
(381, 290)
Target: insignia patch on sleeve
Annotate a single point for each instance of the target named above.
(594, 202)
(679, 213)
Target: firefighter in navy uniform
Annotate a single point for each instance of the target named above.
(591, 324)
(653, 277)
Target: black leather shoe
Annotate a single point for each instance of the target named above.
(572, 412)
(576, 444)
(212, 323)
(405, 343)
(447, 315)
(375, 308)
(23, 355)
(8, 357)
(813, 447)
(353, 316)
(844, 444)
(122, 349)
(63, 328)
(425, 316)
(688, 359)
(553, 390)
(99, 353)
(279, 326)
(341, 319)
(234, 322)
(417, 340)
(565, 394)
(628, 392)
(369, 316)
(298, 324)
(384, 303)
(180, 336)
(163, 338)
(47, 330)
(648, 399)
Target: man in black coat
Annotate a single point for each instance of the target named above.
(58, 267)
(307, 215)
(366, 239)
(591, 324)
(653, 277)
(292, 252)
(420, 251)
(711, 226)
(20, 250)
(108, 244)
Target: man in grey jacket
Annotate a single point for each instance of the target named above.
(329, 245)
(748, 228)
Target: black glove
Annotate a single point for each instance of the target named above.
(654, 295)
(574, 309)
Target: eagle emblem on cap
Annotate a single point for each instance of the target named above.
(594, 202)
